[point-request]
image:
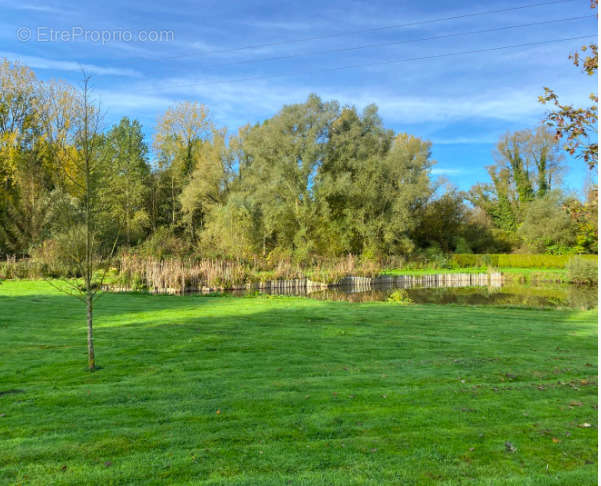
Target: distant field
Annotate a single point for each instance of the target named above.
(278, 391)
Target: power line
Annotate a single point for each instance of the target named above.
(375, 29)
(407, 41)
(475, 51)
(390, 61)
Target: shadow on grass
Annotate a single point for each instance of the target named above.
(224, 387)
(148, 328)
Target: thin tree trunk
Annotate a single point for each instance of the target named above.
(91, 357)
(172, 201)
(89, 271)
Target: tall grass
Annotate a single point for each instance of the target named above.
(11, 268)
(139, 272)
(135, 272)
(147, 273)
(30, 268)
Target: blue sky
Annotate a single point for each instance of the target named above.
(461, 103)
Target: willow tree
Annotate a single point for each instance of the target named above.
(283, 156)
(547, 225)
(357, 145)
(209, 182)
(396, 188)
(316, 179)
(180, 135)
(370, 185)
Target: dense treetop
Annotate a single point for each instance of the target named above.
(316, 179)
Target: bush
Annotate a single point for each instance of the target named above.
(547, 226)
(431, 258)
(401, 297)
(462, 246)
(11, 268)
(163, 243)
(582, 271)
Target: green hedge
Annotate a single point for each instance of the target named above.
(516, 260)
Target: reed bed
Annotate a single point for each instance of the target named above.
(13, 268)
(132, 271)
(139, 273)
(183, 275)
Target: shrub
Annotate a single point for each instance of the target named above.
(582, 271)
(474, 260)
(401, 297)
(12, 268)
(163, 243)
(430, 258)
(462, 246)
(547, 226)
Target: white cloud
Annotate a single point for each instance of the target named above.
(221, 51)
(120, 101)
(484, 139)
(263, 98)
(202, 46)
(51, 64)
(288, 25)
(31, 7)
(441, 171)
(238, 102)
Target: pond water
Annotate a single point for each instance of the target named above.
(526, 295)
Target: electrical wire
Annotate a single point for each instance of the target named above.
(387, 62)
(406, 41)
(374, 29)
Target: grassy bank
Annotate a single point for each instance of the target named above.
(138, 273)
(247, 391)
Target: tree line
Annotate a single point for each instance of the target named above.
(316, 179)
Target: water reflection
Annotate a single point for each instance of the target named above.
(551, 295)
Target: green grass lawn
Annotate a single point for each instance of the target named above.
(278, 391)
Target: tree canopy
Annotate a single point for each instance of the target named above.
(317, 179)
